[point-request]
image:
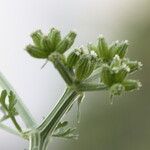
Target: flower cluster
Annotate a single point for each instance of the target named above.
(115, 67)
(45, 45)
(82, 63)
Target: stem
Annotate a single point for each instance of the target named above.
(62, 69)
(16, 124)
(91, 87)
(54, 117)
(40, 137)
(20, 107)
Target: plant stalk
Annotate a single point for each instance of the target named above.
(39, 139)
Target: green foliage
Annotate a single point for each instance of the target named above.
(62, 131)
(95, 67)
(8, 107)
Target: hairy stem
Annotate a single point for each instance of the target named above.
(40, 137)
(62, 69)
(91, 87)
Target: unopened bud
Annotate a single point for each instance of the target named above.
(73, 58)
(37, 37)
(103, 50)
(122, 48)
(131, 85)
(106, 75)
(66, 43)
(116, 61)
(134, 66)
(84, 67)
(54, 37)
(47, 45)
(117, 89)
(36, 52)
(121, 72)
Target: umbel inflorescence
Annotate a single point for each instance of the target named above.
(106, 62)
(95, 67)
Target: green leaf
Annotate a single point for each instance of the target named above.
(5, 117)
(2, 99)
(66, 133)
(61, 125)
(2, 110)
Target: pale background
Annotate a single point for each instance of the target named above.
(125, 125)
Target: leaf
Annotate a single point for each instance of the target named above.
(62, 131)
(5, 117)
(66, 133)
(2, 110)
(61, 125)
(8, 109)
(2, 100)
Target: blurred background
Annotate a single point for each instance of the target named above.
(125, 125)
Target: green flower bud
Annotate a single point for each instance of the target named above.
(37, 37)
(46, 45)
(56, 56)
(112, 49)
(131, 85)
(36, 52)
(66, 43)
(84, 67)
(103, 51)
(120, 72)
(121, 49)
(134, 66)
(73, 58)
(107, 75)
(116, 62)
(54, 37)
(92, 47)
(117, 89)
